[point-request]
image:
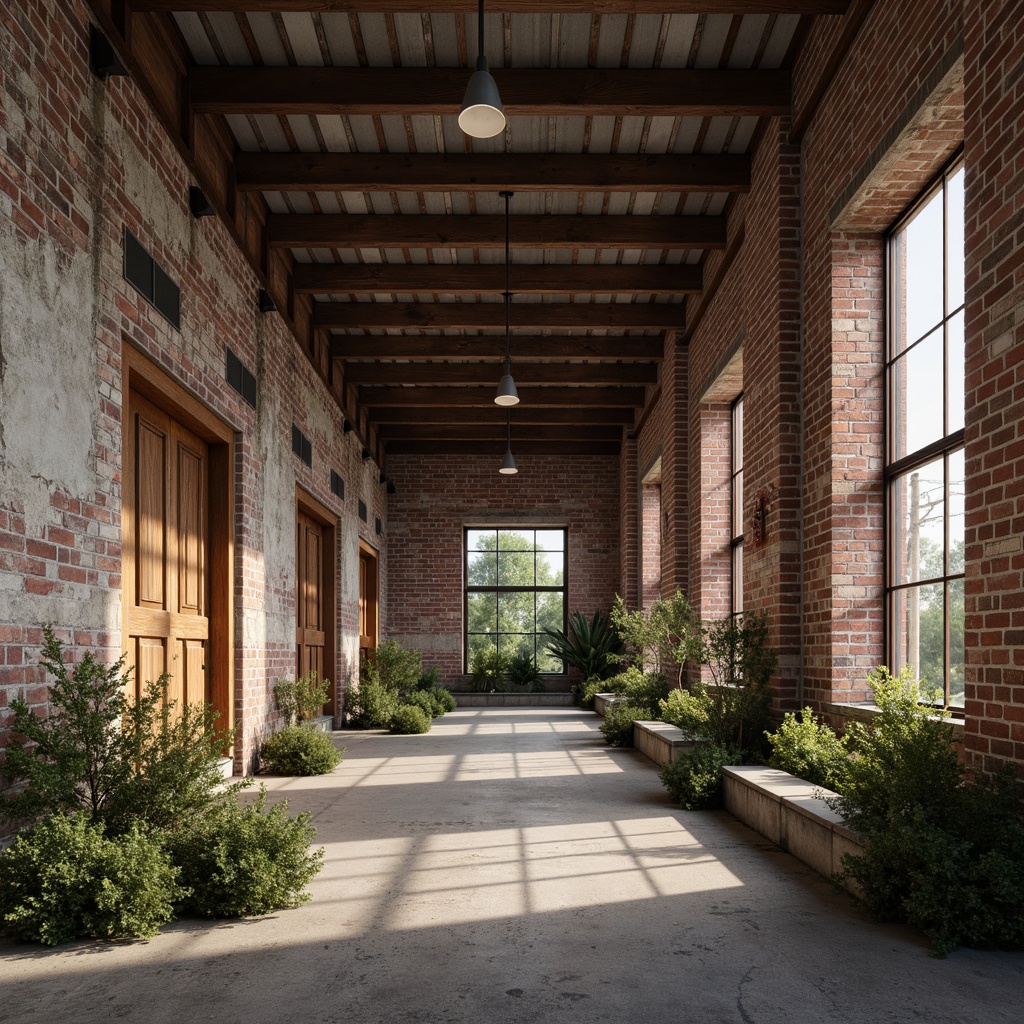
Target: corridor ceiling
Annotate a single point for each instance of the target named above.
(377, 224)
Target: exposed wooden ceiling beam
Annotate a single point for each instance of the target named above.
(392, 346)
(496, 449)
(509, 6)
(606, 316)
(488, 373)
(489, 278)
(373, 231)
(623, 416)
(597, 397)
(490, 172)
(537, 92)
(495, 431)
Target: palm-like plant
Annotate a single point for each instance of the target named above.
(587, 645)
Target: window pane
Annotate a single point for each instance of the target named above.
(513, 540)
(957, 372)
(737, 504)
(917, 389)
(737, 579)
(918, 516)
(478, 643)
(515, 569)
(956, 643)
(513, 643)
(550, 540)
(955, 240)
(550, 613)
(481, 612)
(481, 568)
(516, 612)
(957, 489)
(547, 662)
(918, 272)
(919, 627)
(550, 568)
(481, 540)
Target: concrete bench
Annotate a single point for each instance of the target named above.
(662, 742)
(791, 813)
(603, 701)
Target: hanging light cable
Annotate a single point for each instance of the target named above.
(482, 116)
(507, 393)
(508, 464)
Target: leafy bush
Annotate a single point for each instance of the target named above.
(810, 749)
(730, 716)
(398, 669)
(694, 779)
(443, 699)
(423, 701)
(589, 690)
(301, 699)
(645, 690)
(371, 705)
(588, 646)
(410, 719)
(669, 634)
(490, 669)
(945, 849)
(300, 750)
(523, 673)
(618, 723)
(65, 879)
(239, 861)
(430, 678)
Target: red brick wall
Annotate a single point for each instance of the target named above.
(436, 496)
(629, 527)
(994, 608)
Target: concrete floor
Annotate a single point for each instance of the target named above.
(509, 867)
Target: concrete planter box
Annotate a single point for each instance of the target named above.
(662, 742)
(324, 723)
(513, 700)
(603, 701)
(791, 813)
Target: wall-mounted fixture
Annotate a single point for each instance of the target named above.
(482, 116)
(103, 58)
(383, 478)
(366, 454)
(198, 203)
(266, 303)
(348, 426)
(391, 487)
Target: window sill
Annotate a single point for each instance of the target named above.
(865, 711)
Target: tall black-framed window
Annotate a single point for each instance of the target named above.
(925, 438)
(515, 589)
(736, 505)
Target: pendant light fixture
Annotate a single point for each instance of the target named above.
(507, 394)
(508, 464)
(482, 114)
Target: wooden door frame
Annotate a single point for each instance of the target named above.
(144, 377)
(374, 555)
(309, 506)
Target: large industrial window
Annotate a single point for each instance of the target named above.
(736, 505)
(925, 443)
(515, 589)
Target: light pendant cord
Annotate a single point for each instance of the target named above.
(508, 282)
(480, 31)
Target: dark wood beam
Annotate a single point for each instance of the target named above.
(566, 415)
(490, 172)
(489, 278)
(392, 346)
(489, 373)
(596, 397)
(495, 431)
(509, 6)
(495, 449)
(373, 231)
(609, 316)
(525, 92)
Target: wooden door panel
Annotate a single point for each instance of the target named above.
(310, 611)
(150, 511)
(194, 671)
(150, 661)
(191, 523)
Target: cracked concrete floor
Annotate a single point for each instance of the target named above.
(509, 867)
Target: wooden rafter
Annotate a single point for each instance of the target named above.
(370, 231)
(495, 431)
(488, 278)
(496, 448)
(490, 172)
(537, 92)
(493, 347)
(488, 373)
(565, 415)
(534, 397)
(509, 6)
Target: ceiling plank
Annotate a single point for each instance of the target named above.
(525, 92)
(566, 415)
(564, 397)
(497, 448)
(509, 6)
(490, 172)
(605, 316)
(399, 346)
(488, 373)
(495, 431)
(488, 278)
(373, 231)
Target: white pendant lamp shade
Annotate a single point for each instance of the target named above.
(507, 394)
(508, 465)
(482, 116)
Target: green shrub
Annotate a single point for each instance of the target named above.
(239, 861)
(590, 688)
(618, 723)
(694, 779)
(443, 699)
(410, 719)
(945, 849)
(810, 749)
(371, 705)
(669, 635)
(646, 690)
(730, 716)
(430, 678)
(523, 673)
(490, 670)
(588, 646)
(303, 698)
(423, 701)
(65, 879)
(300, 750)
(398, 669)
